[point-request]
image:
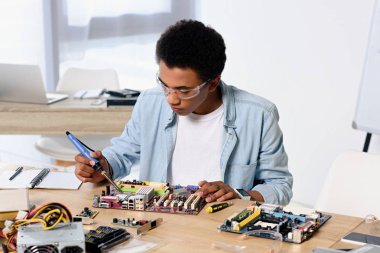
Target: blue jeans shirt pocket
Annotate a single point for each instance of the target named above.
(240, 176)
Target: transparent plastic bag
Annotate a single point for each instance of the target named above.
(275, 243)
(137, 244)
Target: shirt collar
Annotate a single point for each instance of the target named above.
(228, 99)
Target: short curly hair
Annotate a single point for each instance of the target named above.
(191, 44)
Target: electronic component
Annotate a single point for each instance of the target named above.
(49, 216)
(217, 207)
(86, 216)
(105, 237)
(65, 238)
(129, 222)
(121, 101)
(141, 225)
(151, 197)
(368, 248)
(146, 191)
(361, 239)
(243, 194)
(125, 93)
(266, 220)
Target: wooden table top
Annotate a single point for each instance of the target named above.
(191, 233)
(76, 115)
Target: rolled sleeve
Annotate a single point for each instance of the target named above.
(272, 169)
(125, 150)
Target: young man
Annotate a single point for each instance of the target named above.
(194, 127)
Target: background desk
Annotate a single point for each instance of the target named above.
(78, 116)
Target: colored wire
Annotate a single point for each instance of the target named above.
(48, 215)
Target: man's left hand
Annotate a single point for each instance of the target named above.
(216, 191)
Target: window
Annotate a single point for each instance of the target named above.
(115, 34)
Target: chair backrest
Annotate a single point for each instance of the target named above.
(351, 186)
(88, 79)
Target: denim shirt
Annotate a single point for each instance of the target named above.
(252, 157)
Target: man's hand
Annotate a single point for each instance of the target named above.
(216, 191)
(85, 172)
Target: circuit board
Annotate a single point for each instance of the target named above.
(86, 216)
(104, 237)
(273, 222)
(141, 225)
(151, 197)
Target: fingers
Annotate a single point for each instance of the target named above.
(83, 179)
(97, 154)
(85, 172)
(224, 197)
(102, 160)
(88, 175)
(215, 191)
(201, 183)
(83, 169)
(209, 188)
(81, 159)
(221, 195)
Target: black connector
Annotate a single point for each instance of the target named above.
(125, 93)
(105, 237)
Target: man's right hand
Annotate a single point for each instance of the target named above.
(85, 172)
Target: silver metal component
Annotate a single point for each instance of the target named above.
(63, 238)
(104, 173)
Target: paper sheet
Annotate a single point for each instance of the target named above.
(54, 180)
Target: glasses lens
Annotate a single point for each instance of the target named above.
(186, 94)
(181, 93)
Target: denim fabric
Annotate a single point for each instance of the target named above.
(253, 156)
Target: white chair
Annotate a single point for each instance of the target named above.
(59, 147)
(86, 79)
(351, 185)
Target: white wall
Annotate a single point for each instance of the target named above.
(21, 27)
(307, 57)
(22, 41)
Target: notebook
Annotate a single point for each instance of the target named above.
(24, 84)
(53, 180)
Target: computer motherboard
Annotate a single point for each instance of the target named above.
(151, 197)
(271, 221)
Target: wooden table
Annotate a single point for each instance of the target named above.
(75, 115)
(363, 227)
(191, 233)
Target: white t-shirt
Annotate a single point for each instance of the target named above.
(197, 149)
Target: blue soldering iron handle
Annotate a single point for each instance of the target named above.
(84, 152)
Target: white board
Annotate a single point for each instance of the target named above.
(367, 115)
